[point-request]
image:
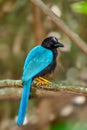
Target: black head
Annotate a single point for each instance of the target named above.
(51, 43)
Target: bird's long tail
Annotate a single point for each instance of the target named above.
(24, 102)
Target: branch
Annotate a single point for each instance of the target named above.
(63, 27)
(11, 89)
(10, 83)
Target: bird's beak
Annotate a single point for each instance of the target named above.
(59, 45)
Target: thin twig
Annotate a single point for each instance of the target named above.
(60, 24)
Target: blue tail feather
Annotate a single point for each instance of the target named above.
(24, 102)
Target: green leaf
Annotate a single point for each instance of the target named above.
(79, 7)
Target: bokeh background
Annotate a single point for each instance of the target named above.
(23, 26)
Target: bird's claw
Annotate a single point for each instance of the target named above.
(42, 81)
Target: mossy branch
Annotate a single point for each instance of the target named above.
(11, 89)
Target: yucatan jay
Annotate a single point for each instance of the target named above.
(41, 60)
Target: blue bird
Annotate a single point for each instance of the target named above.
(40, 61)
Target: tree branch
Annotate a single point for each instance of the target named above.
(63, 27)
(10, 83)
(12, 89)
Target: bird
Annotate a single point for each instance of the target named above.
(41, 60)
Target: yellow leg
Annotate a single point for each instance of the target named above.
(37, 79)
(42, 81)
(45, 80)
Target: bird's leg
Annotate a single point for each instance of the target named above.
(42, 81)
(45, 80)
(37, 79)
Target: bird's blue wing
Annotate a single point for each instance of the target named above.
(37, 60)
(30, 55)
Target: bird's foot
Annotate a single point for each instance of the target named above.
(42, 81)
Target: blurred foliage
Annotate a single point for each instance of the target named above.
(80, 7)
(70, 126)
(23, 26)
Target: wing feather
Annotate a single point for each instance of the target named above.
(38, 59)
